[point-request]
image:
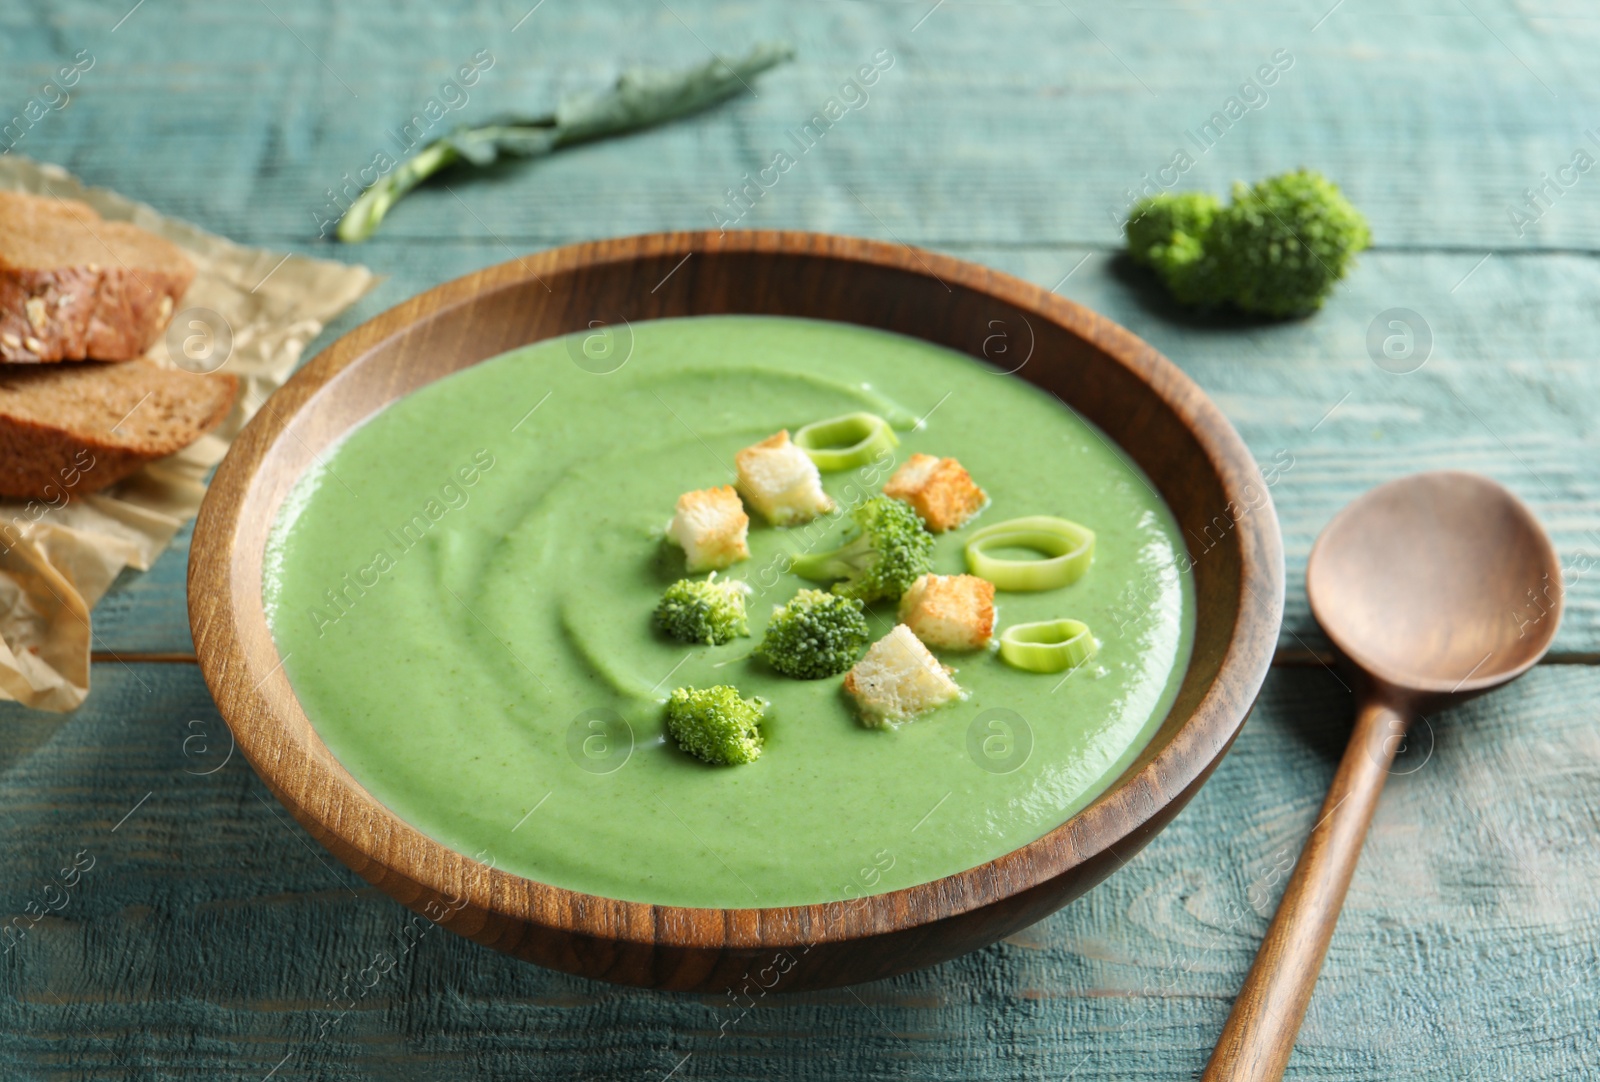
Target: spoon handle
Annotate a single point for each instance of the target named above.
(1260, 1032)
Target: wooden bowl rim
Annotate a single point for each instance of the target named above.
(245, 684)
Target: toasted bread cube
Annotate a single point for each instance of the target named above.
(712, 529)
(950, 612)
(897, 679)
(940, 490)
(780, 480)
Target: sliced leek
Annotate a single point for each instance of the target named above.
(843, 443)
(1048, 646)
(1067, 548)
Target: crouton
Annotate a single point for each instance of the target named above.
(898, 679)
(712, 529)
(780, 480)
(939, 489)
(951, 612)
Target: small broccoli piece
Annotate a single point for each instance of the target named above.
(715, 724)
(1167, 233)
(709, 611)
(1283, 244)
(890, 550)
(1277, 250)
(816, 634)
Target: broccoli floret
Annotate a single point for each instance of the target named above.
(1283, 244)
(1277, 250)
(709, 611)
(715, 724)
(816, 634)
(890, 550)
(1167, 232)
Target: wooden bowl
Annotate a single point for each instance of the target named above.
(1132, 393)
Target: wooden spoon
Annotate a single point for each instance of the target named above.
(1435, 587)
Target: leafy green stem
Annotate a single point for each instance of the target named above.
(641, 98)
(361, 220)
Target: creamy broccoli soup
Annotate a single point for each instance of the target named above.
(462, 592)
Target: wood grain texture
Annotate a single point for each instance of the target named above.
(1468, 946)
(1139, 400)
(1510, 390)
(1001, 146)
(214, 938)
(1005, 123)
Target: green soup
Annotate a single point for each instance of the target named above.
(462, 594)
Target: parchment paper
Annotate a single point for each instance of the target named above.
(61, 556)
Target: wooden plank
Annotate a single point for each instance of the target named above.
(210, 936)
(1006, 133)
(1509, 390)
(1006, 123)
(961, 154)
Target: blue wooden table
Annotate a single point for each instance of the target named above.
(205, 935)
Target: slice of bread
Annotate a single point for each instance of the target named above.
(71, 429)
(74, 286)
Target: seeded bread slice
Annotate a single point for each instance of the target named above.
(74, 428)
(74, 286)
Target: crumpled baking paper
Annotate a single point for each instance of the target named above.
(58, 557)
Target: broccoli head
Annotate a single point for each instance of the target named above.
(709, 611)
(1167, 233)
(816, 634)
(715, 724)
(891, 549)
(1277, 250)
(1283, 244)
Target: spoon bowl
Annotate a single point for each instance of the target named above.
(1434, 587)
(1437, 584)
